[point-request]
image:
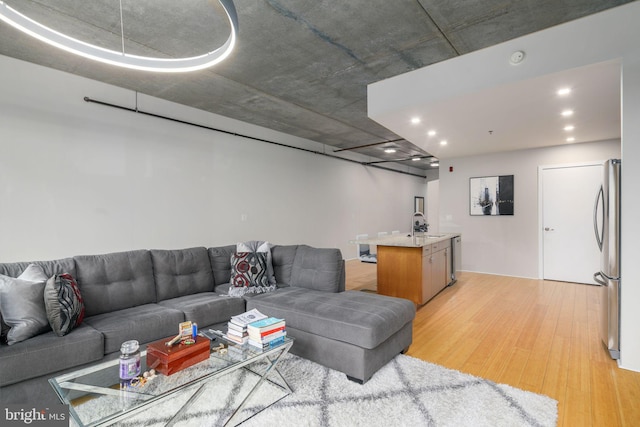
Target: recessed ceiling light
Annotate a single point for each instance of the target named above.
(443, 142)
(415, 159)
(435, 164)
(431, 133)
(415, 120)
(389, 150)
(567, 113)
(569, 127)
(564, 91)
(571, 139)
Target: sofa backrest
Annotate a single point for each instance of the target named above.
(181, 272)
(321, 269)
(282, 258)
(58, 266)
(294, 265)
(122, 280)
(115, 281)
(220, 258)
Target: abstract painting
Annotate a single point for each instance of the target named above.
(491, 195)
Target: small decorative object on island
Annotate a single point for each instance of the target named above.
(129, 360)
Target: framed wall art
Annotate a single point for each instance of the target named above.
(491, 195)
(418, 204)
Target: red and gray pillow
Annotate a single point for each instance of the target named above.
(249, 274)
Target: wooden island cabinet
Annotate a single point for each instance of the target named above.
(415, 268)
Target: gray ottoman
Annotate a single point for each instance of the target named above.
(353, 332)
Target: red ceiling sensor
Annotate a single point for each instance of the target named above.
(450, 168)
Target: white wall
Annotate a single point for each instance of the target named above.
(79, 178)
(433, 206)
(506, 245)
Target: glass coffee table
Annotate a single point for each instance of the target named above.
(95, 397)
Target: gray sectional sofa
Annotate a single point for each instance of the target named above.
(144, 294)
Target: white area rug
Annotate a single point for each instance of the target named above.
(405, 392)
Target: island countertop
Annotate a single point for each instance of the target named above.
(405, 240)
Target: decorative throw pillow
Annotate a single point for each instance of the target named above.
(249, 274)
(22, 304)
(260, 246)
(63, 303)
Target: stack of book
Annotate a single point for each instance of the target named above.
(266, 333)
(237, 326)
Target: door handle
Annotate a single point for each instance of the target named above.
(549, 229)
(596, 278)
(599, 196)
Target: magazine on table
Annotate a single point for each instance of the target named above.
(248, 317)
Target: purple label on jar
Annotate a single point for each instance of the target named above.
(129, 368)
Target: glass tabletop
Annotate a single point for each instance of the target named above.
(97, 397)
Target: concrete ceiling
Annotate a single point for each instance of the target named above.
(300, 66)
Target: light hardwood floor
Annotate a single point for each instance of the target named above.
(536, 335)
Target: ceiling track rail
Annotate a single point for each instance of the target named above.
(404, 159)
(373, 144)
(185, 122)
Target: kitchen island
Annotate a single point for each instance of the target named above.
(413, 267)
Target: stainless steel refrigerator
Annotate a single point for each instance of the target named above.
(606, 222)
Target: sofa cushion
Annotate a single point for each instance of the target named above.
(181, 272)
(207, 308)
(144, 323)
(283, 258)
(14, 269)
(47, 353)
(319, 269)
(115, 281)
(22, 304)
(220, 258)
(355, 317)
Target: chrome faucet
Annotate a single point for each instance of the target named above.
(416, 225)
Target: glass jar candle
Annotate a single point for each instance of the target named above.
(129, 360)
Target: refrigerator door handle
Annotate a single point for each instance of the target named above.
(599, 197)
(597, 277)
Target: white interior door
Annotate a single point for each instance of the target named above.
(570, 252)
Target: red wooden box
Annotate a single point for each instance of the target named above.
(169, 360)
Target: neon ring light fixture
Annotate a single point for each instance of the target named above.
(122, 59)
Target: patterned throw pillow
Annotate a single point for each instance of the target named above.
(260, 246)
(249, 273)
(64, 304)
